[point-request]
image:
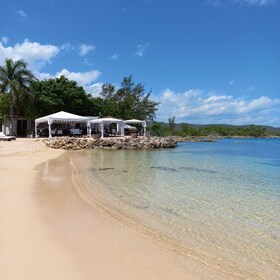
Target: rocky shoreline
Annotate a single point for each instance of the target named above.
(113, 143)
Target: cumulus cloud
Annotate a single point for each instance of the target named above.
(85, 49)
(196, 106)
(35, 54)
(141, 49)
(82, 78)
(94, 89)
(38, 55)
(21, 13)
(44, 76)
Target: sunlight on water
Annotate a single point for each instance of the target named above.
(219, 199)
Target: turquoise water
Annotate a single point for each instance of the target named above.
(216, 202)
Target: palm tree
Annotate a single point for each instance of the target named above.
(15, 80)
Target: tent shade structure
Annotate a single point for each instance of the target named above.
(107, 121)
(60, 117)
(134, 121)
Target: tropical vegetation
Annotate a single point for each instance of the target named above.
(127, 102)
(21, 94)
(15, 90)
(185, 130)
(60, 94)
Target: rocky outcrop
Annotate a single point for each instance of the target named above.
(72, 143)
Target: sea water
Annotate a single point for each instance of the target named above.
(216, 202)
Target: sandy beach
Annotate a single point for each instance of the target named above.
(47, 231)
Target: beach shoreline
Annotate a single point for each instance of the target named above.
(48, 232)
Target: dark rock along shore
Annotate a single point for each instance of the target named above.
(72, 143)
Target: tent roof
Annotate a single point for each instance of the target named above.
(133, 121)
(143, 123)
(106, 120)
(61, 117)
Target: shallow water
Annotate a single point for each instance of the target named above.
(216, 202)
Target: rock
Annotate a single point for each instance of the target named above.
(72, 143)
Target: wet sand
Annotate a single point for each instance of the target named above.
(47, 231)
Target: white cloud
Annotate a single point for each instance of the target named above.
(257, 2)
(5, 40)
(85, 61)
(38, 55)
(35, 54)
(85, 49)
(67, 47)
(196, 106)
(215, 3)
(169, 96)
(44, 76)
(141, 49)
(82, 78)
(21, 13)
(94, 89)
(114, 56)
(260, 3)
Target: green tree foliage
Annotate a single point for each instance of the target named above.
(61, 94)
(15, 81)
(129, 101)
(253, 130)
(172, 124)
(186, 130)
(157, 129)
(5, 101)
(171, 129)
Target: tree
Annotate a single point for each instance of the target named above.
(5, 101)
(129, 101)
(172, 124)
(15, 81)
(157, 129)
(61, 94)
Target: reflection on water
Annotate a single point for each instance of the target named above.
(217, 202)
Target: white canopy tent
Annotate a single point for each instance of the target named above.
(60, 117)
(134, 121)
(104, 121)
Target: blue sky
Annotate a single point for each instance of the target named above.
(205, 61)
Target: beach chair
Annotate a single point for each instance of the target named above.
(4, 137)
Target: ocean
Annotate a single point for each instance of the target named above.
(217, 202)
